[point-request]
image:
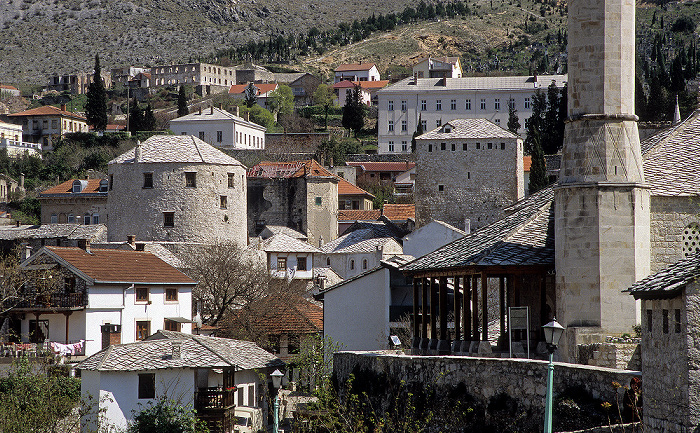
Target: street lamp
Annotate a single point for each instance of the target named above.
(277, 384)
(552, 333)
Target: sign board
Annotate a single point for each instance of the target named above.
(519, 320)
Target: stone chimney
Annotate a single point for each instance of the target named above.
(238, 111)
(131, 239)
(84, 244)
(200, 110)
(63, 107)
(320, 241)
(137, 152)
(27, 252)
(247, 116)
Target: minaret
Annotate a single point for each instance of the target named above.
(601, 200)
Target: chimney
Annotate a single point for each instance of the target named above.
(17, 223)
(140, 246)
(63, 107)
(238, 111)
(415, 78)
(467, 225)
(84, 244)
(27, 252)
(247, 116)
(137, 152)
(534, 77)
(320, 241)
(131, 239)
(177, 348)
(211, 109)
(200, 110)
(444, 79)
(21, 180)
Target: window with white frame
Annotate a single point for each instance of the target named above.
(404, 126)
(468, 104)
(438, 105)
(404, 146)
(424, 125)
(390, 105)
(391, 126)
(404, 105)
(526, 103)
(496, 104)
(423, 105)
(482, 104)
(453, 104)
(391, 146)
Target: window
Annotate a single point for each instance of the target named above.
(201, 135)
(390, 105)
(665, 321)
(86, 219)
(691, 240)
(453, 104)
(223, 202)
(443, 146)
(438, 105)
(391, 146)
(54, 124)
(468, 104)
(404, 126)
(230, 180)
(430, 148)
(171, 295)
(482, 104)
(71, 218)
(219, 136)
(171, 325)
(141, 294)
(511, 103)
(352, 264)
(281, 263)
(526, 103)
(190, 179)
(469, 176)
(478, 145)
(464, 146)
(54, 218)
(328, 261)
(404, 146)
(301, 263)
(404, 106)
(650, 320)
(503, 146)
(111, 181)
(364, 263)
(319, 201)
(147, 385)
(391, 126)
(424, 125)
(490, 145)
(496, 104)
(423, 105)
(441, 188)
(148, 180)
(95, 218)
(143, 329)
(497, 121)
(168, 219)
(104, 185)
(677, 327)
(454, 146)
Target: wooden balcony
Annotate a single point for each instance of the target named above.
(216, 406)
(59, 301)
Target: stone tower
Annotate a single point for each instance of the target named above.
(601, 201)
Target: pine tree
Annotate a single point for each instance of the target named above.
(538, 170)
(182, 109)
(96, 105)
(149, 119)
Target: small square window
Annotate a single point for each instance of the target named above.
(148, 180)
(171, 295)
(319, 201)
(301, 263)
(168, 219)
(464, 146)
(147, 385)
(143, 329)
(490, 145)
(443, 146)
(503, 146)
(190, 179)
(454, 146)
(441, 187)
(478, 145)
(230, 180)
(281, 263)
(171, 325)
(141, 294)
(223, 202)
(219, 136)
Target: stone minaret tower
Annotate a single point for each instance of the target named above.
(601, 201)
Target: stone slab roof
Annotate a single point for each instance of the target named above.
(46, 231)
(522, 82)
(467, 129)
(196, 351)
(363, 237)
(668, 282)
(282, 243)
(274, 229)
(183, 149)
(524, 237)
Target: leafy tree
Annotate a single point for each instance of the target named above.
(335, 151)
(149, 119)
(324, 96)
(259, 115)
(96, 106)
(182, 109)
(354, 111)
(538, 171)
(513, 120)
(166, 416)
(136, 118)
(282, 100)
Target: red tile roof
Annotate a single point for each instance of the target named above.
(121, 266)
(346, 188)
(527, 163)
(399, 212)
(354, 67)
(47, 110)
(8, 87)
(93, 186)
(238, 89)
(276, 315)
(363, 84)
(359, 215)
(286, 170)
(383, 166)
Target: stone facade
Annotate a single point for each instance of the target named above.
(674, 221)
(623, 356)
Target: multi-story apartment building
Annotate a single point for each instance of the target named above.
(221, 129)
(11, 139)
(47, 124)
(127, 73)
(435, 101)
(206, 78)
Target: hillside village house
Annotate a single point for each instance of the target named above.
(261, 91)
(438, 67)
(288, 257)
(206, 78)
(45, 125)
(378, 172)
(103, 297)
(212, 375)
(353, 197)
(75, 201)
(221, 129)
(12, 140)
(436, 101)
(6, 89)
(357, 72)
(303, 86)
(127, 73)
(77, 84)
(368, 91)
(467, 169)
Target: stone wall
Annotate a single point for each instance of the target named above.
(321, 218)
(482, 381)
(670, 216)
(295, 142)
(623, 356)
(277, 202)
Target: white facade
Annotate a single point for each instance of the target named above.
(221, 129)
(429, 238)
(357, 72)
(435, 101)
(350, 262)
(432, 67)
(287, 264)
(11, 139)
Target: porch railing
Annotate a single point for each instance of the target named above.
(214, 398)
(49, 301)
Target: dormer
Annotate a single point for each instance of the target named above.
(79, 185)
(446, 128)
(104, 185)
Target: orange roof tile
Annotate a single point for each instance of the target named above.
(276, 315)
(359, 215)
(8, 87)
(47, 110)
(354, 67)
(527, 163)
(93, 186)
(383, 166)
(237, 89)
(291, 169)
(363, 84)
(121, 266)
(346, 188)
(399, 212)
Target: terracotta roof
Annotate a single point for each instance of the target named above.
(363, 84)
(237, 89)
(354, 67)
(176, 149)
(399, 212)
(47, 110)
(276, 315)
(527, 162)
(346, 188)
(359, 215)
(8, 87)
(287, 170)
(118, 265)
(92, 187)
(383, 166)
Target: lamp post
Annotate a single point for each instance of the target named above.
(552, 333)
(276, 383)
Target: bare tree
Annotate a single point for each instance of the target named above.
(26, 286)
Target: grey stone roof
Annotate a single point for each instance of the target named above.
(216, 114)
(272, 230)
(466, 129)
(176, 149)
(45, 231)
(523, 82)
(668, 282)
(283, 243)
(672, 159)
(524, 237)
(196, 351)
(288, 77)
(364, 237)
(393, 262)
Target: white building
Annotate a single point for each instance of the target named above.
(438, 67)
(221, 129)
(206, 78)
(212, 375)
(262, 92)
(288, 257)
(368, 90)
(357, 72)
(11, 139)
(106, 297)
(435, 101)
(430, 237)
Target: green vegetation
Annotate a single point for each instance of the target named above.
(96, 107)
(182, 109)
(166, 416)
(354, 111)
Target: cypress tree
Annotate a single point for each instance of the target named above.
(354, 111)
(149, 119)
(538, 171)
(136, 118)
(96, 105)
(182, 109)
(419, 131)
(513, 120)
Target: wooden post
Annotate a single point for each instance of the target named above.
(433, 309)
(416, 317)
(67, 323)
(443, 308)
(425, 283)
(484, 307)
(475, 308)
(502, 306)
(457, 312)
(467, 307)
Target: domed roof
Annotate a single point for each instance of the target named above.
(177, 149)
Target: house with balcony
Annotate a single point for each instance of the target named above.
(12, 140)
(213, 375)
(102, 297)
(46, 125)
(357, 72)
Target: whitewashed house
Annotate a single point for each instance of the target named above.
(104, 297)
(438, 67)
(357, 72)
(212, 375)
(221, 129)
(288, 257)
(430, 237)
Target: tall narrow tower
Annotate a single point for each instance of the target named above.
(601, 201)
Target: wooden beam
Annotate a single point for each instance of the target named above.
(467, 307)
(416, 317)
(484, 307)
(425, 283)
(443, 307)
(475, 309)
(502, 303)
(433, 308)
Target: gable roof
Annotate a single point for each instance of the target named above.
(115, 266)
(354, 67)
(176, 149)
(365, 85)
(346, 188)
(383, 166)
(276, 315)
(359, 214)
(393, 262)
(399, 212)
(48, 110)
(282, 243)
(215, 114)
(364, 236)
(443, 59)
(92, 186)
(669, 282)
(288, 170)
(274, 229)
(237, 89)
(468, 129)
(196, 351)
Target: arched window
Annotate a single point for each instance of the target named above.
(364, 263)
(352, 264)
(328, 261)
(691, 240)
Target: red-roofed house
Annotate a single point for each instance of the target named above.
(261, 90)
(45, 125)
(103, 297)
(353, 197)
(376, 172)
(368, 90)
(527, 162)
(79, 201)
(357, 72)
(6, 89)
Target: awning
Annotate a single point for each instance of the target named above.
(180, 320)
